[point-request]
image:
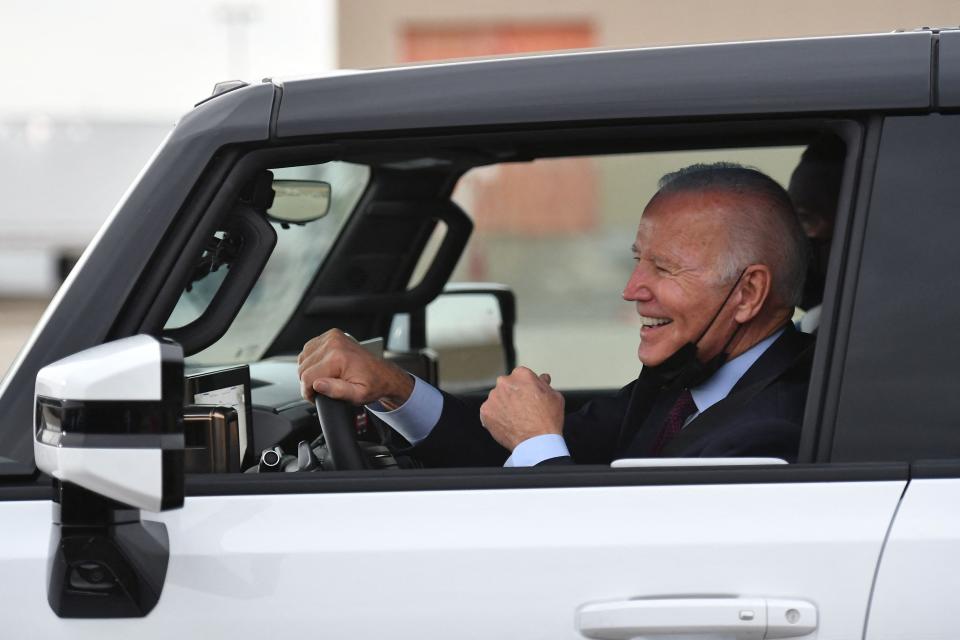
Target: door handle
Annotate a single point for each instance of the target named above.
(669, 618)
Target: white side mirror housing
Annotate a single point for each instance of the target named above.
(110, 419)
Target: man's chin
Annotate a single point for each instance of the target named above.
(655, 348)
(649, 360)
(654, 356)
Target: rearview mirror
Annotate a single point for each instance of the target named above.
(299, 201)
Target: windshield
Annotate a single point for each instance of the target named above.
(300, 250)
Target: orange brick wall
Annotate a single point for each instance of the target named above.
(556, 197)
(441, 42)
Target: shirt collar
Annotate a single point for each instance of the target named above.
(718, 386)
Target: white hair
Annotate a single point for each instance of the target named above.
(765, 230)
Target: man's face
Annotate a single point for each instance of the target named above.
(674, 284)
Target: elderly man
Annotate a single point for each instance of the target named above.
(719, 265)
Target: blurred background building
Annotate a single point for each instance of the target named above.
(91, 88)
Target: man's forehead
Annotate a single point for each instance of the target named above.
(703, 207)
(676, 222)
(657, 241)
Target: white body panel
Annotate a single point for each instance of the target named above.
(25, 532)
(919, 577)
(131, 476)
(127, 369)
(484, 563)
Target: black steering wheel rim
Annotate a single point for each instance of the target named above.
(337, 424)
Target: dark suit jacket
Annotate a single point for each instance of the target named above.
(760, 417)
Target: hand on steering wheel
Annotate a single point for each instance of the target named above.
(335, 365)
(336, 372)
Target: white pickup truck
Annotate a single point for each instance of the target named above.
(138, 496)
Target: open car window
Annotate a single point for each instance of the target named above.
(555, 231)
(558, 232)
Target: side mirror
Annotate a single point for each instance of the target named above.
(110, 420)
(470, 329)
(109, 429)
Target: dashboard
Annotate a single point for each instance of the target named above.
(280, 416)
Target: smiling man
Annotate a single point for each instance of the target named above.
(719, 265)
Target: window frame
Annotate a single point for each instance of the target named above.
(815, 468)
(662, 136)
(918, 146)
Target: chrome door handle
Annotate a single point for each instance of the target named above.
(655, 618)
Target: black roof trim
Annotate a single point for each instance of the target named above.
(835, 74)
(948, 69)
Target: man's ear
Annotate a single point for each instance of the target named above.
(754, 290)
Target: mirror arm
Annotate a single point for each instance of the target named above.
(105, 562)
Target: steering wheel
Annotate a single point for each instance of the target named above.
(337, 424)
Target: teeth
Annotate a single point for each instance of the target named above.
(653, 322)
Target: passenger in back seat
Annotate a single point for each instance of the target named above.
(814, 190)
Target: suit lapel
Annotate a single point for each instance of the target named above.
(650, 403)
(646, 403)
(787, 351)
(775, 360)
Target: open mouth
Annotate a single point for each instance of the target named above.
(649, 324)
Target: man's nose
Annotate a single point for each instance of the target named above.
(638, 286)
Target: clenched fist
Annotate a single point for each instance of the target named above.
(521, 406)
(335, 365)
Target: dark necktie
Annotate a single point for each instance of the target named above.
(679, 412)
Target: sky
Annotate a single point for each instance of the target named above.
(139, 60)
(90, 87)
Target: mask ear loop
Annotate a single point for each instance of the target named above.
(717, 314)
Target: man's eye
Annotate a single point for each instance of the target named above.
(658, 267)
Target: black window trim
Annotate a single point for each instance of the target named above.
(487, 478)
(819, 422)
(549, 477)
(166, 292)
(854, 131)
(756, 129)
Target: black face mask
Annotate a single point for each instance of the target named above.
(682, 369)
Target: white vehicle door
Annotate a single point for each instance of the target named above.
(919, 574)
(525, 553)
(25, 515)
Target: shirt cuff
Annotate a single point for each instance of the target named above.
(415, 418)
(535, 450)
